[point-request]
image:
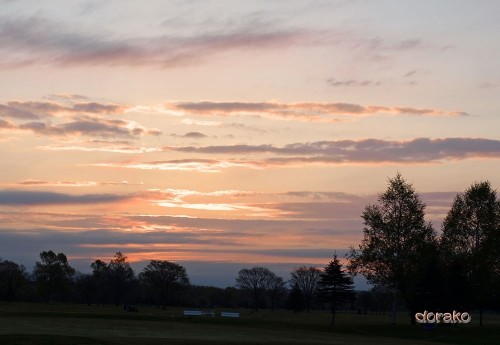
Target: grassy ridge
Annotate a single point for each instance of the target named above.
(79, 324)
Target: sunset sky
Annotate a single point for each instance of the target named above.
(226, 134)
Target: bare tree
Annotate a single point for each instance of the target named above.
(256, 281)
(306, 280)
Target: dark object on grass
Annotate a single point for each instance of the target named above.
(130, 308)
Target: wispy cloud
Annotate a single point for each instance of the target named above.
(209, 201)
(71, 116)
(130, 149)
(188, 121)
(28, 110)
(89, 126)
(367, 151)
(15, 113)
(351, 82)
(304, 111)
(36, 40)
(67, 96)
(6, 125)
(190, 135)
(32, 198)
(198, 165)
(42, 183)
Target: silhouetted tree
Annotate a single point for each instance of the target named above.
(164, 279)
(471, 240)
(100, 279)
(396, 236)
(120, 277)
(275, 289)
(306, 280)
(295, 301)
(430, 288)
(364, 301)
(84, 287)
(12, 278)
(231, 295)
(335, 286)
(52, 274)
(255, 281)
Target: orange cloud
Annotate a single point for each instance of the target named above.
(199, 165)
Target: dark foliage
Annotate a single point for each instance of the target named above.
(335, 286)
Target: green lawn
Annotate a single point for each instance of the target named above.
(79, 324)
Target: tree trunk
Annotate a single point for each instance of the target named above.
(411, 303)
(48, 291)
(394, 307)
(333, 317)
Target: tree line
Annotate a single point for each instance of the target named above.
(400, 254)
(164, 283)
(53, 279)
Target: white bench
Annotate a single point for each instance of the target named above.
(229, 314)
(192, 313)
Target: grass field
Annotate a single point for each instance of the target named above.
(28, 324)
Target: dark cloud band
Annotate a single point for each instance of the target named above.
(31, 198)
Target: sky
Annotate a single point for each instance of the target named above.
(227, 134)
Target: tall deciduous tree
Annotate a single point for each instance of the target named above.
(335, 286)
(164, 279)
(471, 239)
(53, 273)
(306, 280)
(255, 281)
(395, 236)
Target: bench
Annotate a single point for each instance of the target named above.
(229, 314)
(192, 313)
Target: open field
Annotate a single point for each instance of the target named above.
(28, 324)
